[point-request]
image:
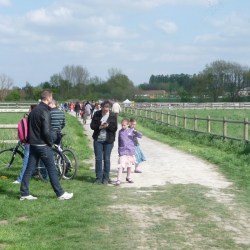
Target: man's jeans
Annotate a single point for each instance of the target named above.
(102, 153)
(44, 153)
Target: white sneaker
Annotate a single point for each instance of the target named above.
(28, 197)
(65, 196)
(16, 182)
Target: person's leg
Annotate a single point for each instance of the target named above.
(98, 149)
(25, 161)
(121, 166)
(131, 162)
(31, 165)
(107, 152)
(47, 157)
(139, 158)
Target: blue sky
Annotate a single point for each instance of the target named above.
(138, 37)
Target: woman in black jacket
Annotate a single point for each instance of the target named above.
(104, 124)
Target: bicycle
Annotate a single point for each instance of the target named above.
(70, 160)
(11, 160)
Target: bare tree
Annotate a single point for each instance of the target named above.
(5, 85)
(75, 74)
(113, 72)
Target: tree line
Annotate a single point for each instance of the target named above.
(218, 79)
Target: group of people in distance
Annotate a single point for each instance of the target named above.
(104, 124)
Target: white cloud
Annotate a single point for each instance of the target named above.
(73, 46)
(39, 16)
(232, 25)
(207, 38)
(166, 26)
(46, 16)
(5, 3)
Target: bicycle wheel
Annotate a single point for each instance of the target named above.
(71, 164)
(59, 164)
(11, 161)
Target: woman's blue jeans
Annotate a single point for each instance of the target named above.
(25, 161)
(102, 159)
(45, 154)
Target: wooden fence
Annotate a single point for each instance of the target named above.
(183, 105)
(207, 123)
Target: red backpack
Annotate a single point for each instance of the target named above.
(22, 130)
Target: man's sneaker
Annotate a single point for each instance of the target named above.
(16, 182)
(65, 196)
(28, 197)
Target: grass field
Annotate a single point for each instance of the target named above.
(107, 217)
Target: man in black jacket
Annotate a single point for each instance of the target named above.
(40, 148)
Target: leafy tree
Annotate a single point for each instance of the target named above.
(13, 95)
(120, 87)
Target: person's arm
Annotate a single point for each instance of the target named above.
(112, 123)
(95, 122)
(63, 121)
(138, 134)
(46, 128)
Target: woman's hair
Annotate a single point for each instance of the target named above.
(104, 103)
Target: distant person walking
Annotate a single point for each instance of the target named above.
(77, 109)
(116, 108)
(40, 148)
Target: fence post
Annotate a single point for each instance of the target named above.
(146, 113)
(195, 122)
(168, 119)
(175, 119)
(246, 129)
(162, 117)
(185, 121)
(208, 124)
(224, 128)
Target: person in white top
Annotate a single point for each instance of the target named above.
(116, 108)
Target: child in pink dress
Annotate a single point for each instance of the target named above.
(126, 150)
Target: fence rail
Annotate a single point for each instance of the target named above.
(240, 133)
(181, 105)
